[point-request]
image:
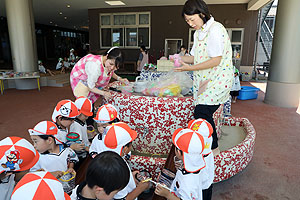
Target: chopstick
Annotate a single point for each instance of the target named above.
(155, 183)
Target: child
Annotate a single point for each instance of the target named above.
(43, 70)
(183, 51)
(80, 127)
(54, 158)
(106, 175)
(64, 115)
(106, 115)
(72, 56)
(66, 63)
(37, 186)
(187, 184)
(16, 155)
(118, 138)
(205, 129)
(60, 65)
(236, 86)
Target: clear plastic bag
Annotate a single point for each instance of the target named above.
(171, 84)
(68, 181)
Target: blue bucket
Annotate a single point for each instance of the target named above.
(248, 92)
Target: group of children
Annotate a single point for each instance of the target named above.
(61, 145)
(67, 63)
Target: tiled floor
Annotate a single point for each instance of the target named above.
(273, 173)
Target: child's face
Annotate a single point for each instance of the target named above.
(235, 74)
(126, 150)
(83, 117)
(66, 122)
(178, 154)
(194, 21)
(40, 144)
(101, 127)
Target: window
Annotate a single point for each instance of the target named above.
(128, 30)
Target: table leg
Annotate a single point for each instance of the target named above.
(38, 82)
(2, 86)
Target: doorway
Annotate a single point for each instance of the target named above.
(172, 46)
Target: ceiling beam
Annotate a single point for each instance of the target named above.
(257, 4)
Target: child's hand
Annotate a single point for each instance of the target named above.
(71, 170)
(57, 174)
(77, 146)
(161, 191)
(143, 185)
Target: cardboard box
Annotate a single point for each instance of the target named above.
(164, 65)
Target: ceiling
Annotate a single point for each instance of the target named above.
(76, 17)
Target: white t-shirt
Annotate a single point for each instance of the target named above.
(58, 66)
(66, 64)
(209, 170)
(56, 162)
(97, 145)
(129, 187)
(215, 41)
(236, 86)
(7, 187)
(42, 69)
(80, 128)
(188, 186)
(62, 134)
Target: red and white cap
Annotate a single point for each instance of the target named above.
(84, 106)
(17, 154)
(46, 128)
(118, 135)
(106, 113)
(39, 185)
(192, 145)
(205, 129)
(65, 108)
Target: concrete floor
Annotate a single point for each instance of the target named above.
(272, 174)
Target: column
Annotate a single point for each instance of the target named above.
(22, 38)
(283, 87)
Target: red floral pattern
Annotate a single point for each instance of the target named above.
(156, 118)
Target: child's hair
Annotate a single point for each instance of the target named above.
(115, 54)
(192, 7)
(64, 118)
(144, 48)
(109, 171)
(45, 137)
(179, 150)
(128, 144)
(114, 121)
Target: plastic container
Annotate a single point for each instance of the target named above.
(68, 181)
(166, 177)
(248, 92)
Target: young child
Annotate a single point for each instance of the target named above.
(60, 65)
(205, 129)
(72, 56)
(63, 116)
(106, 115)
(118, 138)
(66, 63)
(54, 158)
(17, 155)
(236, 86)
(183, 51)
(187, 184)
(37, 186)
(43, 70)
(106, 175)
(80, 127)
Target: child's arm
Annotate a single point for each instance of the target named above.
(161, 191)
(137, 191)
(71, 168)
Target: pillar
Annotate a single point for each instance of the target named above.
(22, 38)
(283, 87)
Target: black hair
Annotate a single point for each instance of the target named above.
(115, 54)
(65, 118)
(45, 137)
(128, 144)
(192, 7)
(109, 171)
(144, 48)
(182, 46)
(114, 121)
(179, 150)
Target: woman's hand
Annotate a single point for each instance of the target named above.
(184, 67)
(124, 81)
(107, 95)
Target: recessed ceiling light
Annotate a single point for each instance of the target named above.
(60, 13)
(65, 17)
(51, 22)
(115, 3)
(68, 6)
